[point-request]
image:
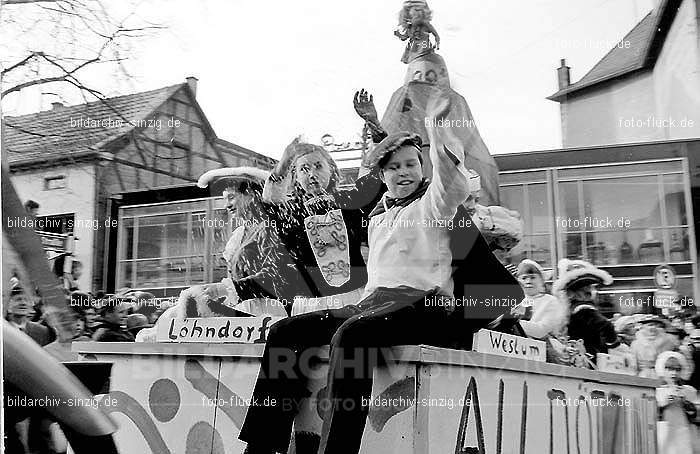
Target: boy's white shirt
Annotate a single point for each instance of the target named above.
(548, 316)
(410, 246)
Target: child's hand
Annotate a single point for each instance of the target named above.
(364, 106)
(288, 156)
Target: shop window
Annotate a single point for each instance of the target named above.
(178, 248)
(674, 199)
(621, 202)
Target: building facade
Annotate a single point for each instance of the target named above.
(647, 88)
(625, 208)
(72, 160)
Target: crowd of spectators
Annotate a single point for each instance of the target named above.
(663, 344)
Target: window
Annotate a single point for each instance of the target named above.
(532, 201)
(627, 219)
(172, 244)
(55, 182)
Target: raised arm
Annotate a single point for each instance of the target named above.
(449, 186)
(275, 190)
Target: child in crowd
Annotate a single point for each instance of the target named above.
(113, 327)
(547, 314)
(677, 404)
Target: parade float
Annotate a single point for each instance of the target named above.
(188, 392)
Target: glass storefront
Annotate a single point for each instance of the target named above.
(172, 245)
(626, 215)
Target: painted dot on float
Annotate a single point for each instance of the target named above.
(164, 399)
(204, 439)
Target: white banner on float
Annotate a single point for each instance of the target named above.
(241, 330)
(487, 341)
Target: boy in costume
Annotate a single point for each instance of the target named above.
(411, 282)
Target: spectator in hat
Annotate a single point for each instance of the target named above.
(677, 404)
(577, 286)
(650, 341)
(547, 315)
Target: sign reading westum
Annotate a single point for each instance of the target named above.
(242, 330)
(486, 341)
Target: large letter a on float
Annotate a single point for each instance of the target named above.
(465, 443)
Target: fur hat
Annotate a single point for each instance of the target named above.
(663, 358)
(232, 175)
(578, 272)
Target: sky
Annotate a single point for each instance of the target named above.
(269, 71)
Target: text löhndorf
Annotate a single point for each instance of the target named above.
(486, 341)
(242, 330)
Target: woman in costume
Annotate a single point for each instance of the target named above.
(261, 274)
(650, 341)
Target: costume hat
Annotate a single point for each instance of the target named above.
(575, 273)
(232, 175)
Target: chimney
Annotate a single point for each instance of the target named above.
(563, 75)
(56, 105)
(192, 83)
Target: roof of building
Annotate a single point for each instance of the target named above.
(84, 129)
(237, 150)
(80, 129)
(638, 50)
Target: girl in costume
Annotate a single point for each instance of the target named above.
(321, 226)
(677, 405)
(547, 314)
(577, 286)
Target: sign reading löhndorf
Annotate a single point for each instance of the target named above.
(242, 330)
(487, 341)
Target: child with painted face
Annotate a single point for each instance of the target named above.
(548, 314)
(677, 404)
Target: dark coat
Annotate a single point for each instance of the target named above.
(597, 332)
(111, 332)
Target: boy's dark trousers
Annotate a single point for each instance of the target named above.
(356, 334)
